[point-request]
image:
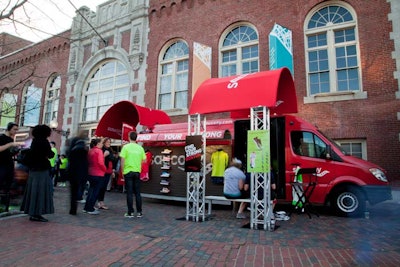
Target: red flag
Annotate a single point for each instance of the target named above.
(126, 129)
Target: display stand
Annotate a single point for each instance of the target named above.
(196, 186)
(165, 171)
(261, 209)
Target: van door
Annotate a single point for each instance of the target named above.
(310, 151)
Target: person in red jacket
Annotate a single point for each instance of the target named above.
(97, 170)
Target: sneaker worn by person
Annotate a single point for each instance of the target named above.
(139, 215)
(95, 212)
(38, 218)
(129, 215)
(81, 201)
(240, 215)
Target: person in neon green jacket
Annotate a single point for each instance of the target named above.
(53, 162)
(63, 170)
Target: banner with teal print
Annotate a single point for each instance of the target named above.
(258, 151)
(280, 48)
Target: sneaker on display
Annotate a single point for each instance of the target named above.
(164, 182)
(166, 151)
(165, 174)
(165, 167)
(165, 190)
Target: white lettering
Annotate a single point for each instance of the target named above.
(214, 134)
(144, 137)
(173, 136)
(234, 82)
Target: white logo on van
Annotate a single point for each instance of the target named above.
(321, 173)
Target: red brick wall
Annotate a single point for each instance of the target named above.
(36, 64)
(373, 118)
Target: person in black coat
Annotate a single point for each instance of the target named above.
(77, 169)
(38, 196)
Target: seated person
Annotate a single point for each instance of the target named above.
(234, 181)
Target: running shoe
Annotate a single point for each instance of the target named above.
(129, 215)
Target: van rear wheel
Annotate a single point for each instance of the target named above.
(348, 201)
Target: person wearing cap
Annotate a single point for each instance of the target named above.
(234, 183)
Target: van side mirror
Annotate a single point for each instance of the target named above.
(328, 152)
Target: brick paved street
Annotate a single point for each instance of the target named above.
(162, 238)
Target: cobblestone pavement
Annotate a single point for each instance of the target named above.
(164, 238)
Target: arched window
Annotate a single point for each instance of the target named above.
(173, 80)
(239, 51)
(107, 84)
(31, 104)
(52, 99)
(331, 38)
(8, 107)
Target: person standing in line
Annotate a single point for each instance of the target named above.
(108, 161)
(38, 197)
(53, 162)
(96, 171)
(7, 150)
(77, 169)
(132, 155)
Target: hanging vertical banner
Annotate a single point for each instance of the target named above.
(258, 151)
(280, 48)
(201, 65)
(193, 153)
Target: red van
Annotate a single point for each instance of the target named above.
(344, 182)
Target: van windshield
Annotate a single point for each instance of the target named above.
(333, 142)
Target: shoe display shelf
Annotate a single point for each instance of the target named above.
(165, 168)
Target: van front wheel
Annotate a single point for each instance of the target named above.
(348, 201)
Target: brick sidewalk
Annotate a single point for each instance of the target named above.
(161, 238)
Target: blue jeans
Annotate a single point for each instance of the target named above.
(93, 193)
(132, 186)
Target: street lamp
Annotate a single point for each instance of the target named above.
(54, 126)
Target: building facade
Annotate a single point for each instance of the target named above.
(346, 60)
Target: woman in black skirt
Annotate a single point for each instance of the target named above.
(38, 197)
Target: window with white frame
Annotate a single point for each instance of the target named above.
(354, 147)
(333, 61)
(31, 105)
(239, 51)
(107, 84)
(173, 80)
(52, 99)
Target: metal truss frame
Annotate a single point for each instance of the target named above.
(195, 181)
(261, 208)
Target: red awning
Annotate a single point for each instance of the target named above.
(215, 129)
(273, 89)
(129, 113)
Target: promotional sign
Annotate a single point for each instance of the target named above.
(193, 153)
(280, 48)
(258, 151)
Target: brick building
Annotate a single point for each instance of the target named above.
(360, 111)
(346, 62)
(33, 81)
